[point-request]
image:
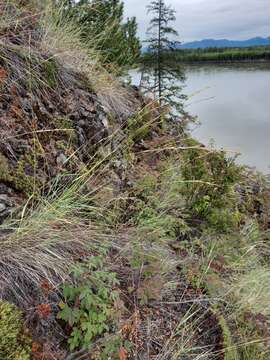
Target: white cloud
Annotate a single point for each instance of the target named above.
(198, 19)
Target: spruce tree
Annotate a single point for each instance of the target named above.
(160, 67)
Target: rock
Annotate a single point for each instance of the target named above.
(61, 159)
(26, 105)
(104, 122)
(4, 198)
(3, 207)
(82, 123)
(35, 141)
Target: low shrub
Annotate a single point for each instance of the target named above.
(209, 177)
(88, 302)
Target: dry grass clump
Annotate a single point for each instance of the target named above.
(9, 15)
(62, 37)
(53, 232)
(248, 284)
(253, 290)
(43, 31)
(44, 243)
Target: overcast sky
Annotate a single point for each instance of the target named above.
(200, 19)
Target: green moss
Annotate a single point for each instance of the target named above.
(69, 134)
(22, 182)
(223, 220)
(5, 174)
(17, 176)
(87, 84)
(14, 345)
(251, 352)
(140, 124)
(147, 186)
(63, 122)
(61, 145)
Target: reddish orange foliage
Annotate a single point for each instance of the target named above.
(16, 111)
(35, 347)
(3, 74)
(45, 285)
(122, 353)
(43, 310)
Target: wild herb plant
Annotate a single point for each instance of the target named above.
(88, 302)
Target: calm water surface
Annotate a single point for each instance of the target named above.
(233, 107)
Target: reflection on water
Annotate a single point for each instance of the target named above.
(232, 103)
(233, 106)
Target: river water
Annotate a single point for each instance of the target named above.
(233, 108)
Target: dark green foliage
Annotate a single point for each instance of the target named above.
(209, 180)
(50, 73)
(88, 305)
(14, 345)
(224, 54)
(161, 71)
(103, 21)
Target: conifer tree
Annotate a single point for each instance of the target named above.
(103, 20)
(159, 62)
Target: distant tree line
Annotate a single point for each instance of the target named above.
(223, 54)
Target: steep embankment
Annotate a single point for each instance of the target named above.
(121, 236)
(52, 120)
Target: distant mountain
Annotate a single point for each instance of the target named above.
(257, 41)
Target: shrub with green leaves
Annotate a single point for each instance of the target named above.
(115, 38)
(88, 302)
(14, 344)
(209, 179)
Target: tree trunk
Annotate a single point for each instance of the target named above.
(159, 52)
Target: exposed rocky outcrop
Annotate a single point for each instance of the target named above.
(51, 120)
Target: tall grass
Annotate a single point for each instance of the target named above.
(58, 229)
(68, 220)
(46, 240)
(43, 242)
(63, 38)
(46, 29)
